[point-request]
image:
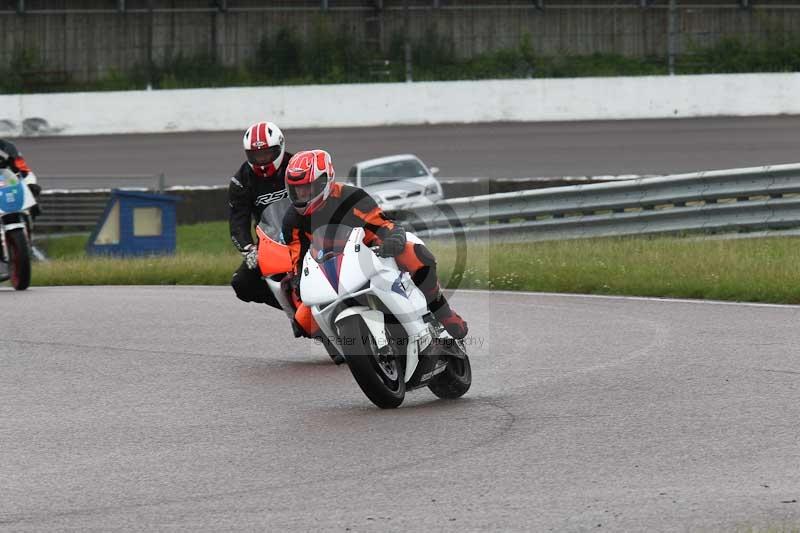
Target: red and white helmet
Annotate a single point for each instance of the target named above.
(309, 179)
(264, 146)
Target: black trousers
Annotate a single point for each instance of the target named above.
(250, 287)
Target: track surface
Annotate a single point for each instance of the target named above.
(182, 408)
(476, 150)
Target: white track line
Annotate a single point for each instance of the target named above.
(634, 298)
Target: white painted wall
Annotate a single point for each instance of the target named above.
(313, 106)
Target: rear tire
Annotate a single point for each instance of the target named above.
(19, 259)
(382, 380)
(456, 379)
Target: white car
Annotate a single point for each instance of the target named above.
(397, 181)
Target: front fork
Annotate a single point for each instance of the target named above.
(3, 247)
(5, 228)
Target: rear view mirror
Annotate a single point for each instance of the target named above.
(434, 170)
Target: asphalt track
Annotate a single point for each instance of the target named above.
(181, 408)
(499, 150)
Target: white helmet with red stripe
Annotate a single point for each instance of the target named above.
(309, 179)
(264, 146)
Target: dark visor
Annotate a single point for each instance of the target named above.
(300, 195)
(264, 156)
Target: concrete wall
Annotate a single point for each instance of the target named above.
(90, 39)
(401, 103)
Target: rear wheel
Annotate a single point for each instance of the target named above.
(19, 259)
(380, 376)
(456, 379)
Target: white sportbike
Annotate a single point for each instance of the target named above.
(372, 313)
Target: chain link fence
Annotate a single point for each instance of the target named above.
(126, 44)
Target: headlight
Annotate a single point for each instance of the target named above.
(431, 189)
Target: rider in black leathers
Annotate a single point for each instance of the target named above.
(257, 193)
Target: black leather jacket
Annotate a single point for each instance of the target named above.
(253, 198)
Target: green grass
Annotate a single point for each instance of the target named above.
(205, 256)
(758, 270)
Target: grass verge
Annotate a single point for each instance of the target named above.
(757, 270)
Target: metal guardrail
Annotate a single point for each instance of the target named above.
(71, 211)
(80, 209)
(102, 182)
(723, 200)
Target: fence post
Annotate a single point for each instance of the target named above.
(150, 67)
(407, 43)
(672, 35)
(20, 6)
(162, 182)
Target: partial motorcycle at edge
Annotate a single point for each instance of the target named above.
(16, 224)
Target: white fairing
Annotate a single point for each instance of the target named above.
(362, 272)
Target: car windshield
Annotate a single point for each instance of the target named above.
(328, 241)
(394, 171)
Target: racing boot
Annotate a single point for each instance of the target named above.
(452, 321)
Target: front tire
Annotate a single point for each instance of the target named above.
(19, 259)
(381, 378)
(456, 379)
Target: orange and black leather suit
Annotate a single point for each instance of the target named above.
(353, 207)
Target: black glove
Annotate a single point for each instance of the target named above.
(394, 243)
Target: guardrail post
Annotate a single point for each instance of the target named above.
(162, 182)
(20, 6)
(121, 6)
(324, 5)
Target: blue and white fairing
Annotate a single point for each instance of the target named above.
(14, 194)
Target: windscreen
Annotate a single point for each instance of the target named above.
(7, 178)
(329, 241)
(397, 170)
(272, 218)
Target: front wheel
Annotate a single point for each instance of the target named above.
(381, 377)
(19, 259)
(456, 379)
